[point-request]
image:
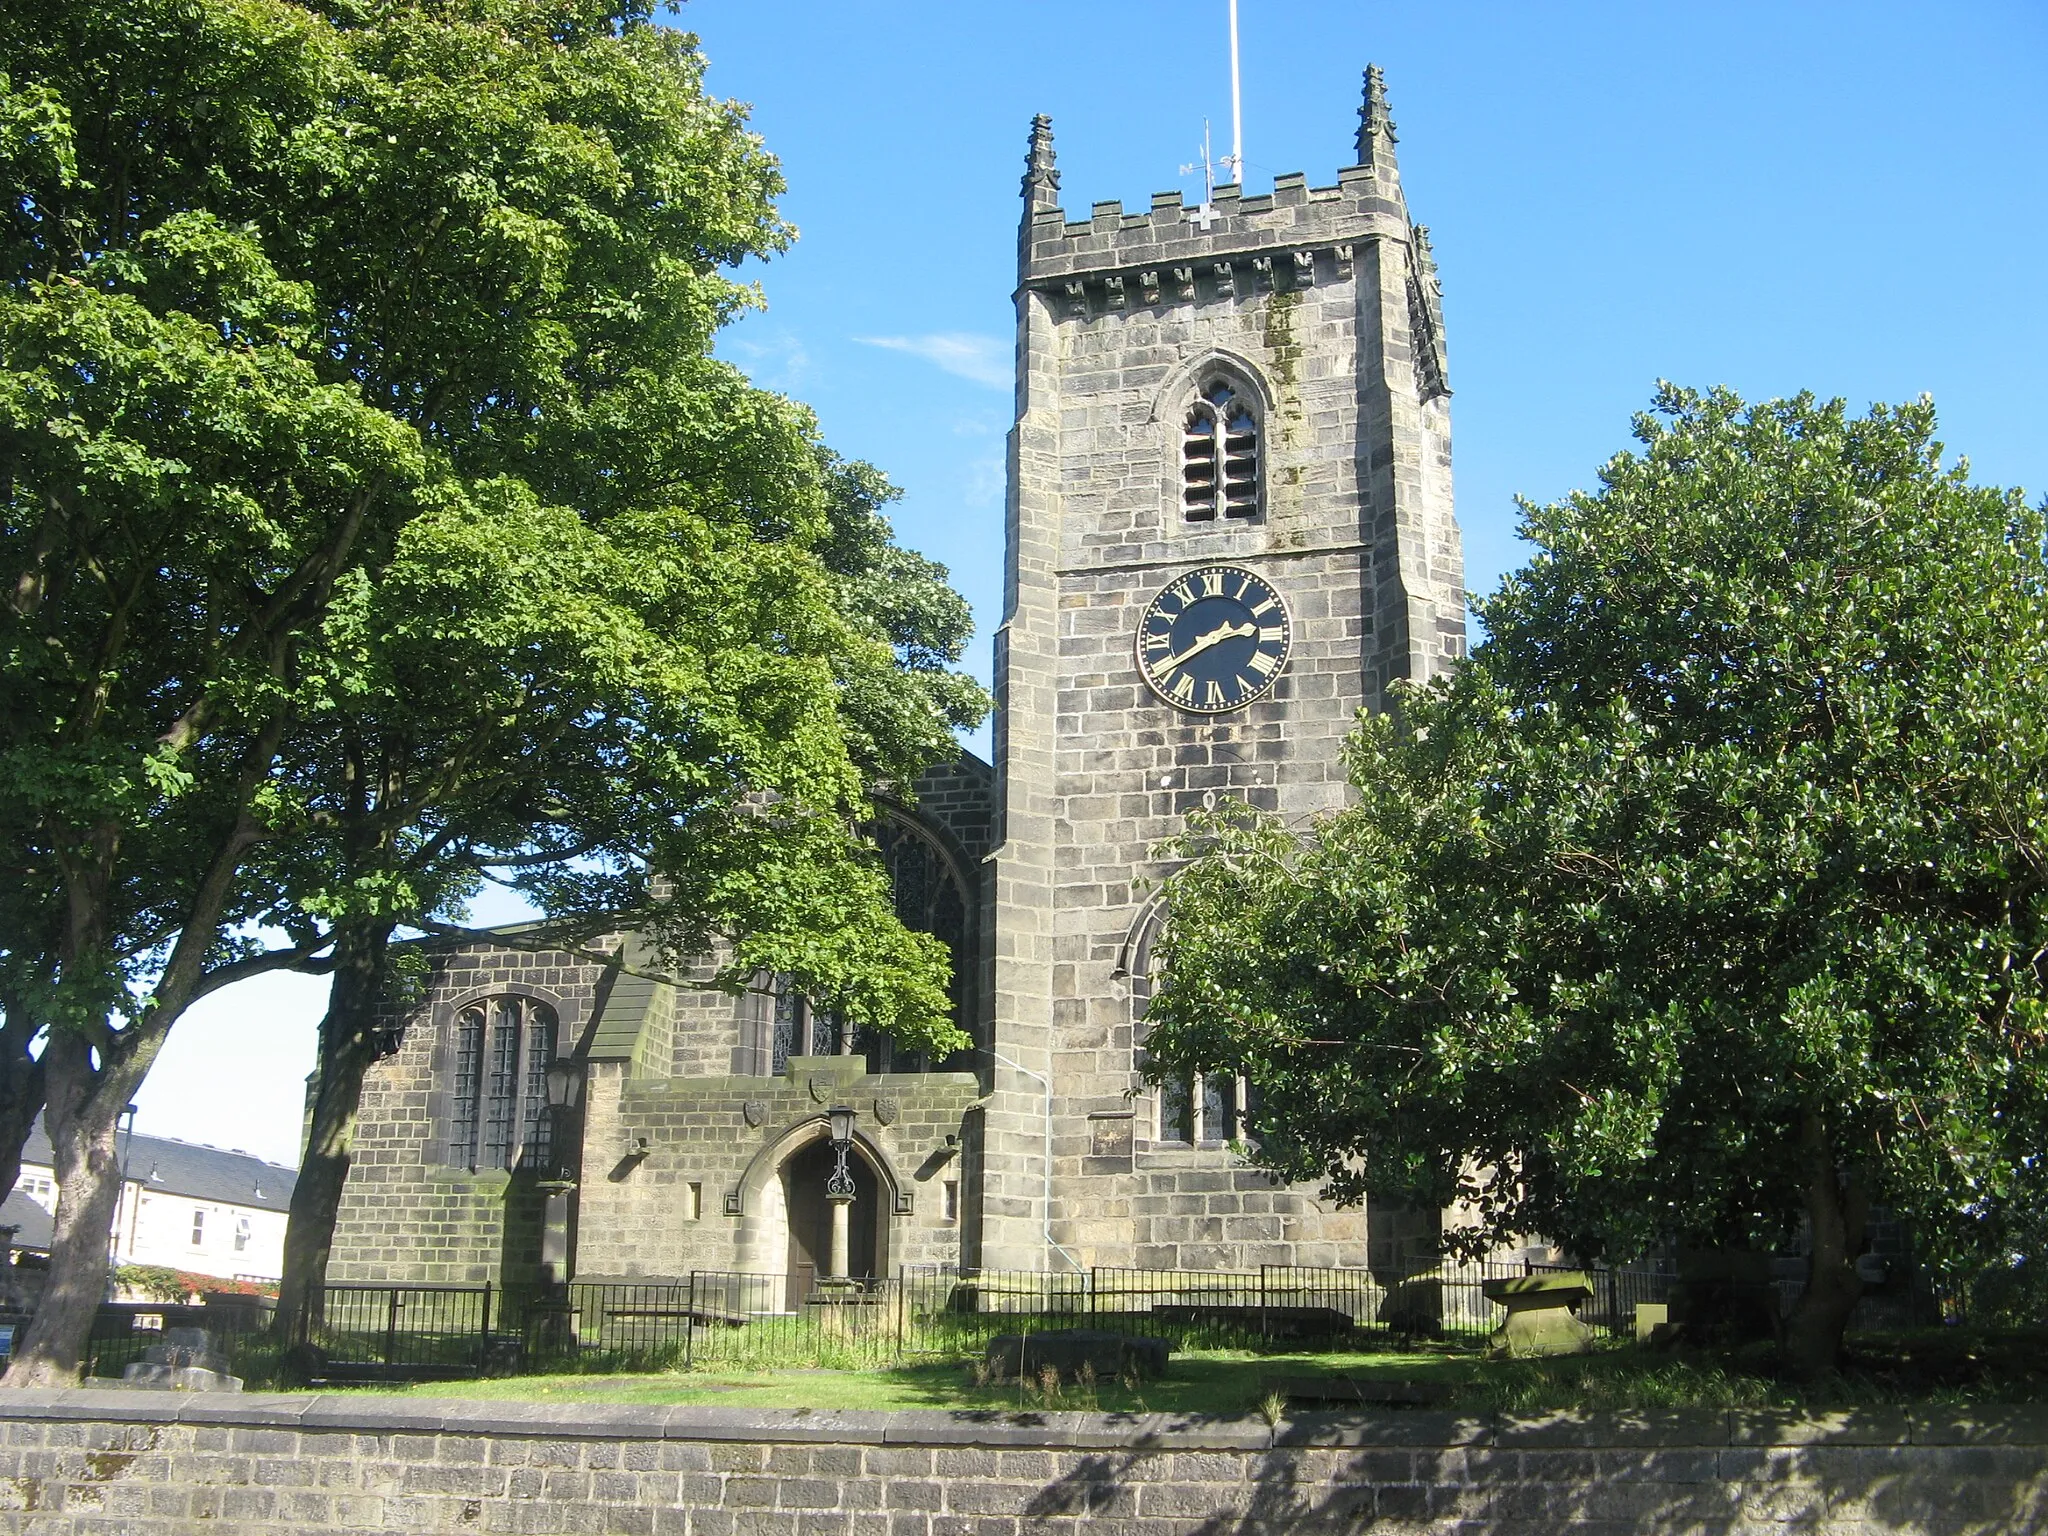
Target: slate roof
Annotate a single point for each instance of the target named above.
(170, 1167)
(17, 1210)
(620, 1034)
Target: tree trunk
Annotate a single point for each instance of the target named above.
(1837, 1212)
(349, 1043)
(83, 1115)
(87, 1082)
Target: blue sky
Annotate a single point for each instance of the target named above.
(1848, 199)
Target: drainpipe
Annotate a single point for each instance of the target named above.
(1045, 1084)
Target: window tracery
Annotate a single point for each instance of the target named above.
(928, 898)
(503, 1046)
(1190, 1109)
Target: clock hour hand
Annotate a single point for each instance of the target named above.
(1216, 636)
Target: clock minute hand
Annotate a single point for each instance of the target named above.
(1216, 636)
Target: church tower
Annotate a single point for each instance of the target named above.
(1229, 529)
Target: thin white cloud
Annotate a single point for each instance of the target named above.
(982, 359)
(774, 359)
(986, 483)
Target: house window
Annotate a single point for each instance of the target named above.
(801, 1028)
(1219, 454)
(503, 1046)
(534, 1120)
(1176, 1111)
(693, 1206)
(241, 1234)
(1219, 1108)
(198, 1228)
(828, 1033)
(949, 1200)
(470, 1029)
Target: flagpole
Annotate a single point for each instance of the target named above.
(1236, 106)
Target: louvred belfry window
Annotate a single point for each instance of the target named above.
(1219, 460)
(502, 1049)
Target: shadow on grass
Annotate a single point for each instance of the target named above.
(1940, 1368)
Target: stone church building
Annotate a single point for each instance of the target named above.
(1229, 528)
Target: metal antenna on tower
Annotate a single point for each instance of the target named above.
(1206, 214)
(1206, 165)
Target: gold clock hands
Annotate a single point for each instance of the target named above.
(1216, 636)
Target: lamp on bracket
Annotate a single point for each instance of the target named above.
(564, 1083)
(562, 1089)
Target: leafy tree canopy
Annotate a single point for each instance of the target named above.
(324, 324)
(1710, 895)
(374, 518)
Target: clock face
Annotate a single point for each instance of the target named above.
(1214, 640)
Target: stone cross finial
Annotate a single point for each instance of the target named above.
(1041, 175)
(1376, 136)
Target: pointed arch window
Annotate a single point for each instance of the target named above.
(1219, 453)
(503, 1046)
(929, 898)
(1192, 1109)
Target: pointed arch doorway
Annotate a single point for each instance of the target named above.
(802, 1176)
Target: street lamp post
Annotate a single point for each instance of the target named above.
(839, 1190)
(126, 1130)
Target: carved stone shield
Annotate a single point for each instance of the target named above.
(756, 1110)
(886, 1110)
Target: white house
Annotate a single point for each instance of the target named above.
(206, 1210)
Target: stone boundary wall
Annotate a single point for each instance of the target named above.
(147, 1464)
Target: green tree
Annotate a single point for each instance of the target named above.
(332, 330)
(183, 492)
(1706, 901)
(605, 713)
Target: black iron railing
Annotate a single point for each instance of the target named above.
(405, 1332)
(372, 1332)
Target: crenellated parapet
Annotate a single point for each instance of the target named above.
(1284, 238)
(1294, 238)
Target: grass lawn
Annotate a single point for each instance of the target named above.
(1945, 1366)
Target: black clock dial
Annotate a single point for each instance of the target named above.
(1214, 640)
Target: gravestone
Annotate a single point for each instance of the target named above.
(186, 1361)
(1067, 1350)
(1540, 1320)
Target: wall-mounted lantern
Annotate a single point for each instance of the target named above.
(564, 1083)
